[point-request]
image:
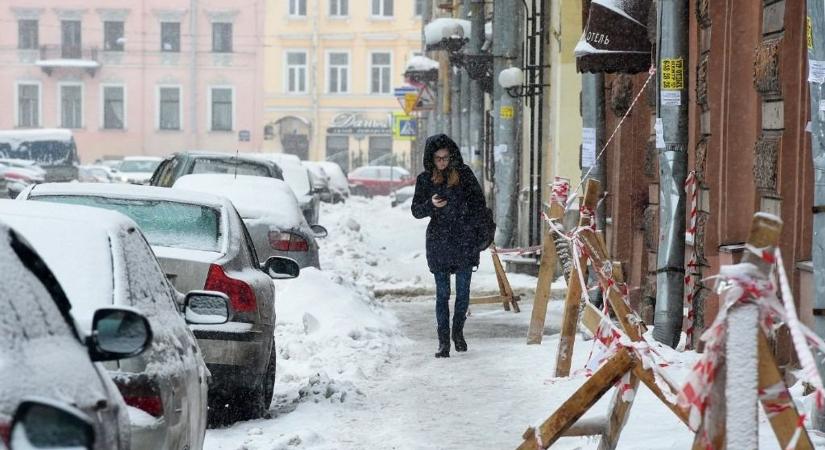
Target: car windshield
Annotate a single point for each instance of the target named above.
(231, 166)
(164, 223)
(138, 166)
(297, 177)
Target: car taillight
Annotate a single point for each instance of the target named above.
(17, 176)
(151, 404)
(241, 296)
(287, 242)
(5, 432)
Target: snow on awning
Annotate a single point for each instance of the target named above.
(445, 28)
(71, 63)
(615, 38)
(421, 64)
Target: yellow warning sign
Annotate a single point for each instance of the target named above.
(810, 32)
(506, 112)
(410, 99)
(673, 74)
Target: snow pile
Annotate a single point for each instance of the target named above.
(421, 64)
(330, 334)
(383, 248)
(446, 28)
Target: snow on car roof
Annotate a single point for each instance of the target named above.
(253, 197)
(46, 134)
(131, 191)
(143, 158)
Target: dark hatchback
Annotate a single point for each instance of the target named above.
(185, 163)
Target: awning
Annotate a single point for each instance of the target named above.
(615, 38)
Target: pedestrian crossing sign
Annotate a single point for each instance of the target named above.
(404, 127)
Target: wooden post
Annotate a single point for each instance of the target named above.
(578, 403)
(570, 319)
(547, 268)
(506, 296)
(500, 278)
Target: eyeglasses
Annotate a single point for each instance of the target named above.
(442, 158)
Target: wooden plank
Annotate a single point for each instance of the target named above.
(570, 318)
(547, 268)
(619, 412)
(502, 279)
(491, 299)
(578, 403)
(783, 423)
(587, 427)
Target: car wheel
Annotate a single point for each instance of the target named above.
(269, 377)
(360, 191)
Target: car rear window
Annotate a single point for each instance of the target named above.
(164, 223)
(209, 165)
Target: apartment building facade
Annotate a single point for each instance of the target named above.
(331, 68)
(135, 78)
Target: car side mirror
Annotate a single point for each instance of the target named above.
(206, 308)
(319, 231)
(118, 333)
(281, 268)
(45, 424)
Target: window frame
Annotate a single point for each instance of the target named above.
(64, 47)
(287, 66)
(294, 9)
(103, 87)
(60, 86)
(163, 22)
(106, 24)
(36, 33)
(416, 4)
(348, 68)
(231, 37)
(382, 14)
(158, 107)
(209, 104)
(337, 4)
(388, 65)
(17, 85)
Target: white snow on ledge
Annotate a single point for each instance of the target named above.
(80, 63)
(446, 27)
(421, 64)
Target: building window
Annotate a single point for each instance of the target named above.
(113, 36)
(338, 150)
(71, 106)
(338, 80)
(222, 37)
(419, 8)
(382, 8)
(298, 8)
(339, 8)
(380, 73)
(296, 72)
(70, 39)
(28, 105)
(170, 37)
(221, 109)
(169, 108)
(27, 34)
(113, 107)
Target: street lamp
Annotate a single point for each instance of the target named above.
(512, 80)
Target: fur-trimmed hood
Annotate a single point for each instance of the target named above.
(437, 142)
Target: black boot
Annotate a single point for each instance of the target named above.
(458, 336)
(443, 344)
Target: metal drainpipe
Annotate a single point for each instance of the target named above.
(316, 110)
(193, 73)
(506, 53)
(455, 104)
(670, 271)
(432, 115)
(816, 13)
(593, 119)
(475, 9)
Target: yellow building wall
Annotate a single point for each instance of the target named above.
(318, 33)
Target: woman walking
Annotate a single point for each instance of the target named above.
(448, 193)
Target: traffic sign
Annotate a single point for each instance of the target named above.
(404, 127)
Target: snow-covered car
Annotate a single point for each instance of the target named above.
(202, 243)
(42, 423)
(319, 180)
(54, 150)
(297, 177)
(101, 258)
(401, 195)
(269, 210)
(338, 183)
(378, 180)
(137, 169)
(17, 174)
(185, 163)
(94, 174)
(43, 352)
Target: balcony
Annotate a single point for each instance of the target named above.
(58, 57)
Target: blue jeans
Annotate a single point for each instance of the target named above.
(442, 297)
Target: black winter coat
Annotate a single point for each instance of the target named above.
(452, 232)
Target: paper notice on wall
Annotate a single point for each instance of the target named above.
(499, 151)
(671, 98)
(816, 71)
(660, 133)
(588, 147)
(809, 128)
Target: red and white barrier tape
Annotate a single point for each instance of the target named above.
(741, 283)
(560, 191)
(691, 186)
